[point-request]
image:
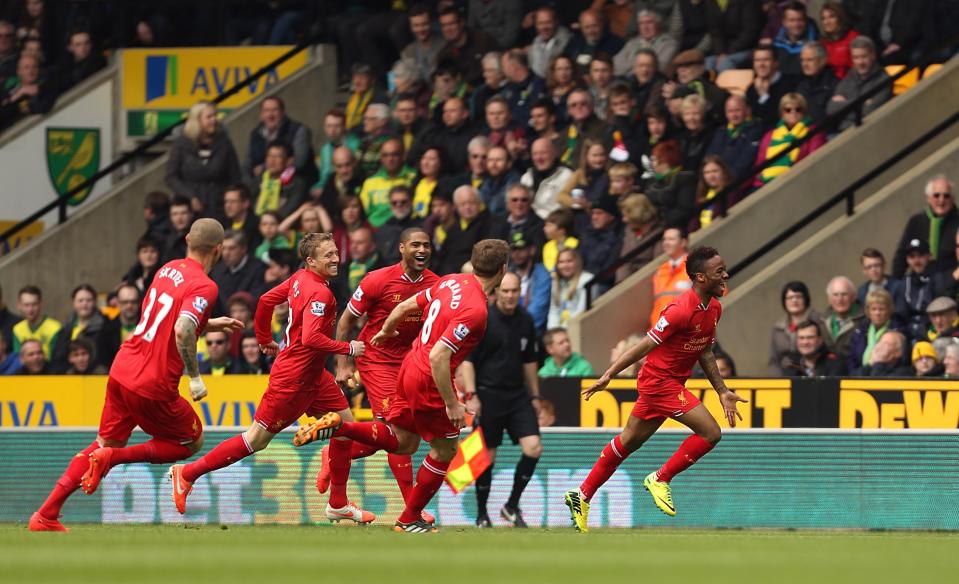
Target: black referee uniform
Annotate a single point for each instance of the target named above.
(505, 402)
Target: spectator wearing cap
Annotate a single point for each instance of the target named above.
(464, 47)
(601, 241)
(551, 38)
(796, 30)
(670, 280)
(818, 82)
(592, 38)
(943, 318)
(276, 126)
(691, 77)
(734, 28)
(568, 296)
(874, 269)
(811, 357)
(583, 125)
(474, 224)
(520, 216)
(843, 315)
(363, 92)
(889, 358)
(866, 74)
(426, 46)
(880, 318)
(919, 289)
(562, 361)
(218, 361)
(936, 225)
(523, 87)
(652, 37)
(768, 87)
(535, 281)
(546, 178)
(672, 189)
(925, 361)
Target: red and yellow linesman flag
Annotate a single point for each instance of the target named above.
(470, 462)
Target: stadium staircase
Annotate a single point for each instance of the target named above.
(810, 224)
(98, 242)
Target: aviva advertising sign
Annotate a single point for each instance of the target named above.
(160, 85)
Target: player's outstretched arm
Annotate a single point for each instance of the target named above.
(632, 355)
(185, 332)
(402, 310)
(440, 356)
(728, 397)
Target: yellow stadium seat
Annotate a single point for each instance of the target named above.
(735, 81)
(905, 82)
(931, 69)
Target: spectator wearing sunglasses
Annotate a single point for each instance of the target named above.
(218, 361)
(793, 126)
(936, 225)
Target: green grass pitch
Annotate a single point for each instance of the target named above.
(355, 554)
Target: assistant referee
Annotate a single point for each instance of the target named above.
(493, 377)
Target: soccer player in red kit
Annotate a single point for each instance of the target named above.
(299, 382)
(376, 296)
(426, 404)
(142, 389)
(683, 335)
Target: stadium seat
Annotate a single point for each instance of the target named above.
(931, 69)
(735, 81)
(905, 82)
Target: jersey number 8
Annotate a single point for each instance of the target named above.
(431, 315)
(166, 303)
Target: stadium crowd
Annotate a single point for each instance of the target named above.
(576, 131)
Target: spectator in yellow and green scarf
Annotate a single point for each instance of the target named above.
(794, 125)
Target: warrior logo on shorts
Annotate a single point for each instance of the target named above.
(200, 304)
(358, 295)
(662, 324)
(318, 308)
(461, 331)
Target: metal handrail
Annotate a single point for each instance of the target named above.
(61, 200)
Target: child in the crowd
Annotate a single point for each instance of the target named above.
(558, 229)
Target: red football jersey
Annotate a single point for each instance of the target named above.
(684, 330)
(454, 313)
(148, 363)
(309, 333)
(377, 295)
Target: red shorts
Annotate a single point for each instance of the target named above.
(411, 411)
(379, 381)
(280, 407)
(664, 405)
(171, 420)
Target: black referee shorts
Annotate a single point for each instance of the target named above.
(513, 414)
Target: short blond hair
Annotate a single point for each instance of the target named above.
(311, 242)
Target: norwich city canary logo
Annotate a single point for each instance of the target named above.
(73, 156)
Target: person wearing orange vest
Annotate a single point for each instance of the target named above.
(670, 280)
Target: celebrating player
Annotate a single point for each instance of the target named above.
(299, 382)
(684, 333)
(377, 295)
(142, 388)
(426, 404)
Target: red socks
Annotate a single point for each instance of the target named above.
(339, 472)
(154, 451)
(224, 454)
(402, 467)
(605, 466)
(691, 450)
(361, 450)
(376, 434)
(69, 481)
(428, 481)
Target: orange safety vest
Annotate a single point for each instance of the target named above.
(668, 284)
